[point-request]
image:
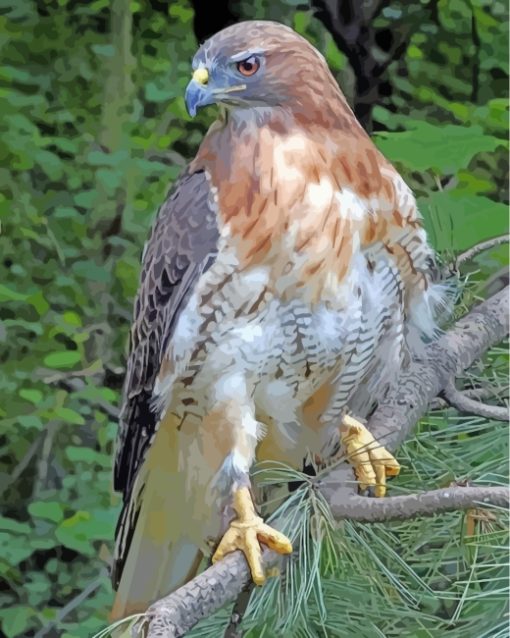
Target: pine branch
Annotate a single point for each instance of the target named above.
(465, 404)
(359, 508)
(471, 393)
(392, 422)
(481, 247)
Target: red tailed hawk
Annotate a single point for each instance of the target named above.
(286, 278)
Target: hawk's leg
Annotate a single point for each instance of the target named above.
(246, 532)
(372, 462)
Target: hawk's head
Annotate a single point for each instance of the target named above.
(257, 64)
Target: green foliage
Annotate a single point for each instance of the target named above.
(93, 130)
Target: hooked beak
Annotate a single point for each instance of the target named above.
(197, 92)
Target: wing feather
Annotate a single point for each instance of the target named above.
(182, 245)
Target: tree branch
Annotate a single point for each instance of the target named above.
(446, 358)
(391, 423)
(217, 586)
(467, 405)
(471, 393)
(479, 248)
(359, 508)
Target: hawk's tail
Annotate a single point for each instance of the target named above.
(153, 555)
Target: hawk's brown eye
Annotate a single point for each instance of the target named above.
(250, 66)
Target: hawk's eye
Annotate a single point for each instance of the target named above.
(250, 66)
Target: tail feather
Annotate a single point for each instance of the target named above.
(160, 558)
(153, 554)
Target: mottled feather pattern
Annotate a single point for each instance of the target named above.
(250, 304)
(181, 247)
(288, 279)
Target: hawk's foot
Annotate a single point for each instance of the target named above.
(372, 462)
(246, 532)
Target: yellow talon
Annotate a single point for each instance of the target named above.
(246, 532)
(372, 462)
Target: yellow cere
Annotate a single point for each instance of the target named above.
(201, 75)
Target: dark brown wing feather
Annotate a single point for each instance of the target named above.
(182, 245)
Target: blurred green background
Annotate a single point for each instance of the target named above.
(93, 130)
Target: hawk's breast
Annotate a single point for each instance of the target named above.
(283, 346)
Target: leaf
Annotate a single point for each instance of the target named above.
(72, 318)
(32, 395)
(64, 359)
(39, 302)
(50, 163)
(457, 221)
(86, 198)
(113, 160)
(6, 294)
(16, 620)
(30, 421)
(69, 415)
(87, 455)
(49, 510)
(91, 271)
(83, 528)
(157, 93)
(102, 393)
(42, 543)
(14, 549)
(10, 525)
(442, 149)
(72, 533)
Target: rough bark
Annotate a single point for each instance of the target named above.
(362, 509)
